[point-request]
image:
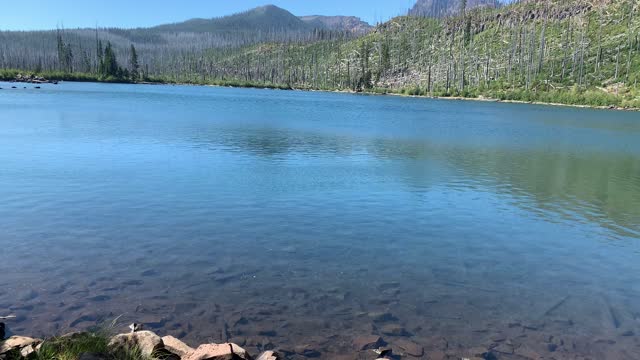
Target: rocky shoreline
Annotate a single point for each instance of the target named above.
(33, 79)
(140, 344)
(146, 345)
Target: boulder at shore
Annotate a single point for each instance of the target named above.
(268, 355)
(23, 344)
(227, 351)
(148, 342)
(176, 346)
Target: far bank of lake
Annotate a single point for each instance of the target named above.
(586, 98)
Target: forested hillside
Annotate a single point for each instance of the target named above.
(162, 50)
(443, 8)
(569, 51)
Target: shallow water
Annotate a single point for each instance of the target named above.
(280, 219)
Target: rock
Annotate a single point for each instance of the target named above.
(528, 353)
(477, 352)
(380, 317)
(176, 346)
(226, 351)
(135, 327)
(435, 343)
(393, 330)
(367, 342)
(436, 355)
(148, 342)
(2, 331)
(409, 347)
(307, 351)
(269, 355)
(27, 350)
(18, 343)
(626, 333)
(383, 351)
(504, 348)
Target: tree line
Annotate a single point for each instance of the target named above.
(528, 50)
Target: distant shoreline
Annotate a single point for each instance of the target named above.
(481, 98)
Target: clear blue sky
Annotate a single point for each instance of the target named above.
(47, 14)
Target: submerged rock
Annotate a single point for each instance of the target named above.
(226, 351)
(367, 342)
(176, 346)
(436, 355)
(307, 351)
(148, 342)
(381, 317)
(394, 330)
(409, 347)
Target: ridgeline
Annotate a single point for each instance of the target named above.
(553, 51)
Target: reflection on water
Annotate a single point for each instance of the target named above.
(278, 218)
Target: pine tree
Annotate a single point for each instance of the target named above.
(65, 55)
(109, 64)
(133, 64)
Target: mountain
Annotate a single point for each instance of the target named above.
(338, 23)
(268, 18)
(263, 18)
(443, 8)
(564, 51)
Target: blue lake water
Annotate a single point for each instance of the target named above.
(285, 219)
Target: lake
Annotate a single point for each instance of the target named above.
(301, 221)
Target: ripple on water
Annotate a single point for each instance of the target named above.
(434, 226)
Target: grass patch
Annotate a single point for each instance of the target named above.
(70, 347)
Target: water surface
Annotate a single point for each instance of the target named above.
(280, 219)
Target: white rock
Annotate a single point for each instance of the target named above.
(268, 355)
(176, 346)
(17, 342)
